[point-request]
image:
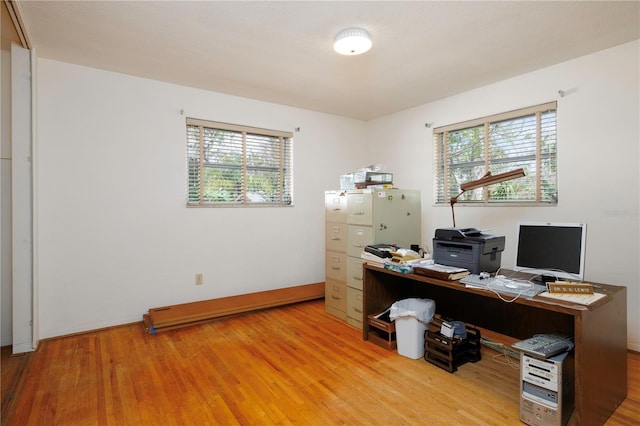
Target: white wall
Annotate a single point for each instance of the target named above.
(115, 237)
(598, 160)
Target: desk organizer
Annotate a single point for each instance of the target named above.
(449, 353)
(384, 330)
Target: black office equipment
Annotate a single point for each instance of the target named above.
(468, 248)
(551, 250)
(381, 250)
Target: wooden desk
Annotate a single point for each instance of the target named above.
(599, 330)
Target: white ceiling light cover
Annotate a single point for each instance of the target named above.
(352, 41)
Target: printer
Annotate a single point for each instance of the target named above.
(468, 248)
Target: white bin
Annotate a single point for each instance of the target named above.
(412, 317)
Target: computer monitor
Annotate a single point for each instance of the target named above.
(551, 250)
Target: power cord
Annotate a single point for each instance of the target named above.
(505, 353)
(521, 285)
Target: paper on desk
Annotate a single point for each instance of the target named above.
(444, 268)
(581, 299)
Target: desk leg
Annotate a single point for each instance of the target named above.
(601, 361)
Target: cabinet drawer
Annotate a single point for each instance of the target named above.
(358, 237)
(336, 266)
(354, 304)
(336, 236)
(335, 297)
(354, 272)
(335, 203)
(359, 209)
(354, 322)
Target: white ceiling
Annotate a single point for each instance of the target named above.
(281, 51)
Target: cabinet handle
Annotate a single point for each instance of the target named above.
(358, 245)
(358, 310)
(335, 268)
(335, 297)
(357, 278)
(358, 213)
(335, 238)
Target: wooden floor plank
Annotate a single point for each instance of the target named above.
(284, 366)
(13, 367)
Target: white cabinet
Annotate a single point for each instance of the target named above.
(354, 219)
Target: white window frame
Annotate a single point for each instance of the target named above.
(535, 152)
(273, 149)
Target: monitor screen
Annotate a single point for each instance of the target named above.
(552, 249)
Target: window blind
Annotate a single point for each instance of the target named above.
(525, 138)
(233, 165)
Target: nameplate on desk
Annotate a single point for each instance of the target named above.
(570, 288)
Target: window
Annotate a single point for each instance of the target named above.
(524, 138)
(232, 165)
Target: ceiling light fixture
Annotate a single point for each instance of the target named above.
(352, 41)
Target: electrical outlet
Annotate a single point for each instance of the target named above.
(198, 279)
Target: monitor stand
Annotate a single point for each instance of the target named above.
(544, 279)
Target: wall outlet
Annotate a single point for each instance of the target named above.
(199, 279)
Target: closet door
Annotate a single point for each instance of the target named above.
(24, 298)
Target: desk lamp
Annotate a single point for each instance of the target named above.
(486, 180)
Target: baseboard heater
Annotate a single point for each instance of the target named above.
(187, 314)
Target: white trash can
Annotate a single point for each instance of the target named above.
(412, 317)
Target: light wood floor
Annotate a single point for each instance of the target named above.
(291, 365)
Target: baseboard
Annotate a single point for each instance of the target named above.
(170, 317)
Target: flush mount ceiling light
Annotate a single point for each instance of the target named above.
(352, 41)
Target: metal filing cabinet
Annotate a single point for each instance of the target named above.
(336, 254)
(371, 216)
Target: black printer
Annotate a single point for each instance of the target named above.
(468, 248)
